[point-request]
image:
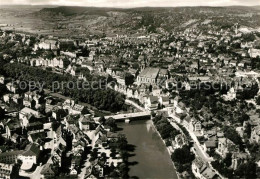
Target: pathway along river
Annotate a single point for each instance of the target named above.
(151, 154)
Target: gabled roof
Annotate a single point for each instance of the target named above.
(47, 169)
(31, 150)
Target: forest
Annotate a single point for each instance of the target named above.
(103, 99)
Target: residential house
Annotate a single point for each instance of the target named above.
(151, 103)
(30, 155)
(13, 87)
(164, 101)
(79, 109)
(86, 123)
(25, 114)
(255, 135)
(210, 145)
(238, 159)
(226, 146)
(201, 170)
(10, 157)
(180, 108)
(2, 79)
(47, 171)
(6, 170)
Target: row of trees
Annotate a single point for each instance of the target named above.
(164, 127)
(182, 157)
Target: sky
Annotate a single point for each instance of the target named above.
(132, 3)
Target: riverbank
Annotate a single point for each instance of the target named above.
(169, 152)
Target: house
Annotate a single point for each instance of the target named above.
(238, 159)
(25, 114)
(192, 124)
(79, 109)
(78, 145)
(47, 171)
(99, 170)
(58, 113)
(47, 44)
(75, 162)
(12, 87)
(180, 108)
(226, 146)
(210, 145)
(255, 135)
(10, 157)
(7, 98)
(75, 71)
(253, 53)
(151, 103)
(2, 79)
(30, 155)
(164, 101)
(179, 141)
(195, 125)
(73, 171)
(15, 138)
(201, 170)
(86, 123)
(34, 137)
(5, 170)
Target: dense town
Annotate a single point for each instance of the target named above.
(200, 88)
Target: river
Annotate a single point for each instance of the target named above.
(153, 160)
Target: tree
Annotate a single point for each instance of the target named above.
(248, 130)
(123, 169)
(2, 113)
(122, 142)
(93, 155)
(228, 160)
(232, 135)
(102, 120)
(111, 123)
(129, 79)
(246, 170)
(243, 117)
(182, 155)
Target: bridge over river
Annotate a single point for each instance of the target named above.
(128, 116)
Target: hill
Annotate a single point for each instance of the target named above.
(82, 21)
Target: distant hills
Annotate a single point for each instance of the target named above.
(152, 18)
(81, 21)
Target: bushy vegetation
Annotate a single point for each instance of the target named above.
(104, 99)
(165, 128)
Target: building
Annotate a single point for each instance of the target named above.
(29, 156)
(151, 103)
(5, 170)
(47, 171)
(47, 44)
(253, 53)
(10, 157)
(25, 114)
(164, 101)
(255, 135)
(238, 159)
(148, 75)
(2, 79)
(201, 169)
(226, 146)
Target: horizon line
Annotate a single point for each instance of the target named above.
(128, 7)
